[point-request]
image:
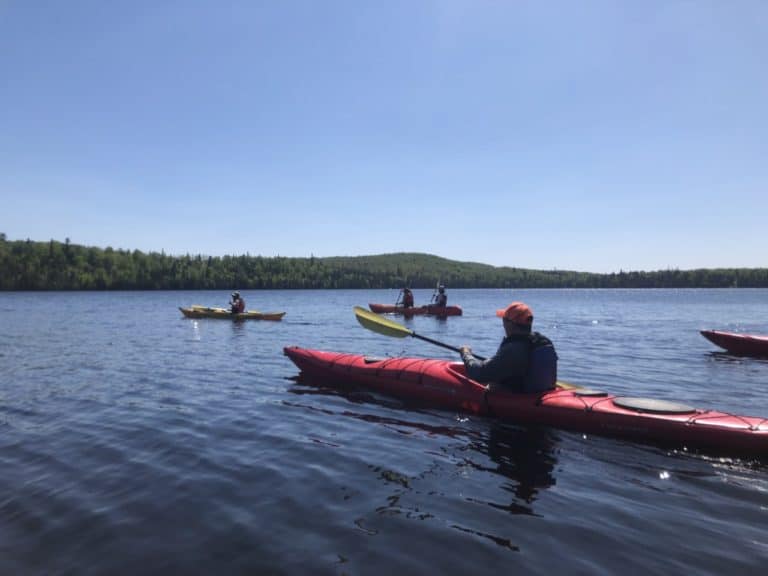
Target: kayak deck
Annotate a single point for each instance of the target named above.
(444, 384)
(224, 314)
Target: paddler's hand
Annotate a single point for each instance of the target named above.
(464, 350)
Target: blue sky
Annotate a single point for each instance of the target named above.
(594, 136)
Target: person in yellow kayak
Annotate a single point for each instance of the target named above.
(237, 304)
(526, 361)
(407, 298)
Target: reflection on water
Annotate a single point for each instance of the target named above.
(720, 356)
(523, 455)
(306, 385)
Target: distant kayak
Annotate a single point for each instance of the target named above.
(444, 384)
(224, 314)
(739, 344)
(416, 310)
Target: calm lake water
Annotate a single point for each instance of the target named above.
(135, 441)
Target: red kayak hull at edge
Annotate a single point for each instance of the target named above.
(416, 310)
(740, 344)
(443, 384)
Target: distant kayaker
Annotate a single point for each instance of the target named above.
(441, 299)
(237, 304)
(407, 296)
(526, 361)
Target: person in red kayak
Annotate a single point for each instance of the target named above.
(441, 299)
(237, 304)
(407, 298)
(526, 361)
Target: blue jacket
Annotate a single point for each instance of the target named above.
(523, 362)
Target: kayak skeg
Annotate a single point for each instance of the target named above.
(739, 344)
(224, 314)
(428, 310)
(443, 384)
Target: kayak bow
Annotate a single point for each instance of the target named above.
(739, 344)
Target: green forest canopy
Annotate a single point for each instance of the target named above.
(53, 265)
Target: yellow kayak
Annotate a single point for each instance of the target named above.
(207, 312)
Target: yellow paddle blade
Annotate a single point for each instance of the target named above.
(384, 326)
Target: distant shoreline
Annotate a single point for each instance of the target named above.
(27, 265)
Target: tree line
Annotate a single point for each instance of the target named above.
(53, 265)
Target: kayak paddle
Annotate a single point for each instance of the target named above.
(388, 327)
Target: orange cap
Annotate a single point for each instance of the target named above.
(517, 312)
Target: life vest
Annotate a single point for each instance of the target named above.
(542, 364)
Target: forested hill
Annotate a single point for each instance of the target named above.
(28, 265)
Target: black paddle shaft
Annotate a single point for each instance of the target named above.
(443, 344)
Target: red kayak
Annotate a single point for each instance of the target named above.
(443, 384)
(740, 344)
(416, 310)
